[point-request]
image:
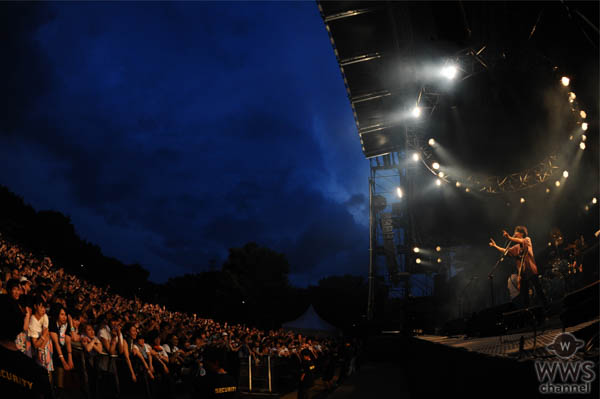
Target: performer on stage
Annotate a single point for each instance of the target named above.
(523, 251)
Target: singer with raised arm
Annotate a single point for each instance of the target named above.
(527, 272)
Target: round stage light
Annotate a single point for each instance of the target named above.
(399, 192)
(449, 72)
(457, 184)
(441, 174)
(557, 183)
(582, 145)
(438, 182)
(439, 260)
(572, 96)
(583, 137)
(566, 174)
(416, 250)
(415, 156)
(565, 81)
(522, 200)
(435, 165)
(582, 114)
(431, 142)
(416, 112)
(594, 200)
(418, 260)
(584, 126)
(547, 190)
(438, 248)
(587, 208)
(468, 190)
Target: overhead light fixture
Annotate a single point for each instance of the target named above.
(416, 112)
(435, 165)
(449, 72)
(565, 81)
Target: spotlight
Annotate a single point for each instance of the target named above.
(565, 81)
(439, 260)
(587, 208)
(582, 145)
(431, 142)
(594, 200)
(418, 260)
(399, 192)
(549, 244)
(522, 200)
(457, 184)
(438, 182)
(584, 126)
(449, 72)
(583, 137)
(566, 174)
(468, 190)
(441, 174)
(557, 183)
(416, 250)
(571, 137)
(416, 112)
(435, 165)
(547, 190)
(438, 248)
(572, 96)
(582, 114)
(415, 156)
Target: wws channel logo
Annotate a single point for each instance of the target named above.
(565, 375)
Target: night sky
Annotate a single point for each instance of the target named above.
(172, 132)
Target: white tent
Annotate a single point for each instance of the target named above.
(310, 324)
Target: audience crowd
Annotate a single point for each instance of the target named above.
(94, 343)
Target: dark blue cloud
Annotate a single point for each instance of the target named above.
(172, 131)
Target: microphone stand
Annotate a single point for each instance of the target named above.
(491, 273)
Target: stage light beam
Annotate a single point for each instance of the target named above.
(449, 72)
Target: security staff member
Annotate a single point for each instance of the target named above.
(216, 383)
(20, 376)
(307, 375)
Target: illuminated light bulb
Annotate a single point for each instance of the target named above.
(416, 250)
(431, 142)
(566, 174)
(547, 190)
(594, 200)
(415, 156)
(557, 183)
(549, 244)
(565, 81)
(572, 96)
(449, 72)
(439, 260)
(522, 200)
(418, 260)
(571, 137)
(582, 114)
(399, 192)
(582, 145)
(587, 208)
(435, 165)
(438, 248)
(416, 112)
(468, 190)
(584, 126)
(438, 182)
(457, 184)
(583, 137)
(441, 174)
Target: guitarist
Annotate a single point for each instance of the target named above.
(527, 272)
